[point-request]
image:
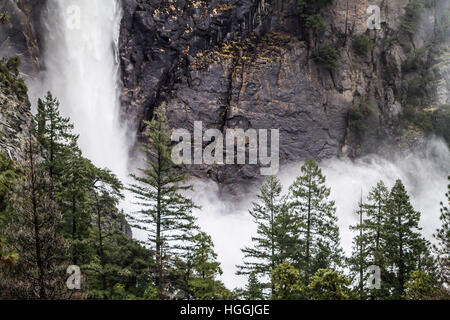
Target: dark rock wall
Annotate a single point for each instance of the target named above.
(247, 64)
(20, 37)
(158, 38)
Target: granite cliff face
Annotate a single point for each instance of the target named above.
(20, 37)
(256, 64)
(15, 116)
(249, 64)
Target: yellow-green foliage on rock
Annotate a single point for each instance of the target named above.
(249, 52)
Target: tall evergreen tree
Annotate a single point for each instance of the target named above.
(32, 233)
(71, 175)
(106, 197)
(75, 200)
(166, 214)
(375, 209)
(370, 241)
(358, 261)
(319, 241)
(9, 174)
(54, 132)
(254, 289)
(274, 230)
(404, 245)
(203, 283)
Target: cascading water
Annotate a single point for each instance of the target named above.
(82, 71)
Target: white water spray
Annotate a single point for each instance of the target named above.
(424, 174)
(82, 71)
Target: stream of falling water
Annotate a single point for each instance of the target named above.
(82, 71)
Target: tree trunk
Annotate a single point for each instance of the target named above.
(37, 240)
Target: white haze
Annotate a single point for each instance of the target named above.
(82, 71)
(424, 174)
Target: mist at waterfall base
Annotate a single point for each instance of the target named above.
(82, 71)
(423, 172)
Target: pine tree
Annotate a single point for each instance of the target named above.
(319, 241)
(166, 214)
(9, 174)
(442, 248)
(123, 272)
(271, 245)
(287, 282)
(75, 201)
(404, 245)
(71, 175)
(358, 262)
(32, 233)
(328, 284)
(4, 17)
(369, 243)
(205, 269)
(254, 289)
(375, 209)
(106, 197)
(54, 132)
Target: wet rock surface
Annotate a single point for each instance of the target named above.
(20, 37)
(247, 64)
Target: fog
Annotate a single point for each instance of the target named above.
(423, 172)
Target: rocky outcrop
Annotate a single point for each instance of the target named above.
(15, 114)
(20, 37)
(248, 64)
(159, 37)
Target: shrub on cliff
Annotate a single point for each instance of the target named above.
(9, 81)
(410, 21)
(327, 56)
(4, 17)
(357, 114)
(362, 45)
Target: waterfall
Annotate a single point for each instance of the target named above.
(82, 70)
